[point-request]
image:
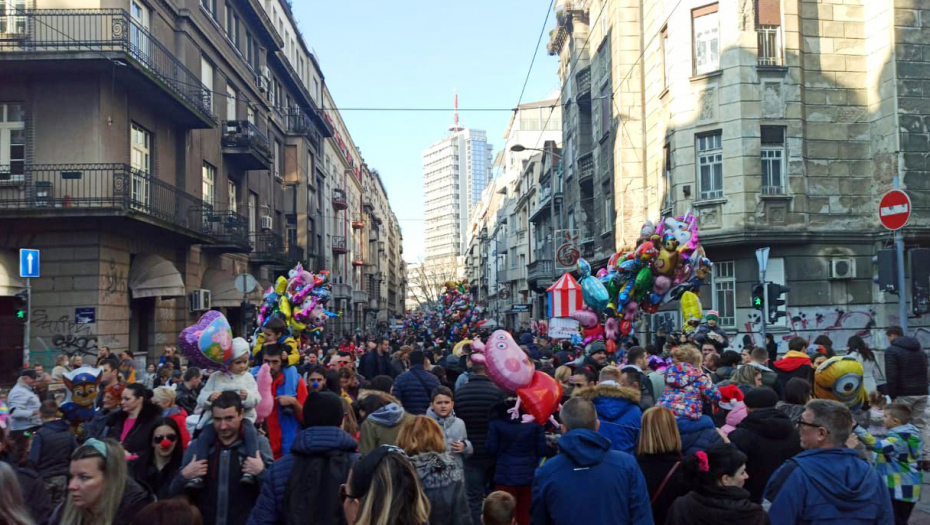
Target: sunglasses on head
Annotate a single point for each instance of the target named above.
(170, 437)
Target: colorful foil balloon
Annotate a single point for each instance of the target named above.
(208, 342)
(508, 366)
(592, 290)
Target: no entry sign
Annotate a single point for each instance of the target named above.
(894, 209)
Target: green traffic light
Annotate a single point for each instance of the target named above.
(758, 301)
(20, 314)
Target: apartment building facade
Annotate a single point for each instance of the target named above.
(779, 123)
(154, 152)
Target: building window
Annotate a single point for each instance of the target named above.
(608, 208)
(248, 48)
(210, 6)
(706, 31)
(12, 142)
(666, 59)
(12, 21)
(209, 184)
(276, 159)
(768, 16)
(232, 195)
(236, 31)
(668, 199)
(229, 22)
(724, 299)
(250, 114)
(773, 160)
(140, 141)
(206, 76)
(231, 97)
(710, 165)
(253, 212)
(605, 97)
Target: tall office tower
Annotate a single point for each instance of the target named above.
(455, 172)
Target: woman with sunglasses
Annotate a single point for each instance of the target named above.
(155, 468)
(383, 489)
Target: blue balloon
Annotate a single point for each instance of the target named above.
(593, 291)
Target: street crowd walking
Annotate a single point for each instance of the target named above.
(398, 429)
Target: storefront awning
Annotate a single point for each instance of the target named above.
(10, 283)
(223, 292)
(155, 276)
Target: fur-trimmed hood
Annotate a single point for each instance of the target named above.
(436, 470)
(608, 391)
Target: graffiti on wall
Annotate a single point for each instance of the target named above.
(114, 282)
(839, 324)
(64, 334)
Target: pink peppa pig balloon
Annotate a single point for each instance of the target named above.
(208, 342)
(508, 366)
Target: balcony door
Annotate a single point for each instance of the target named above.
(12, 19)
(141, 142)
(139, 33)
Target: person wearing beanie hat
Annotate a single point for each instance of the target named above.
(305, 482)
(767, 436)
(596, 355)
(710, 331)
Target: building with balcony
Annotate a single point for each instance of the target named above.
(777, 123)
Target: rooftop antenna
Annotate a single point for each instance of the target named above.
(456, 127)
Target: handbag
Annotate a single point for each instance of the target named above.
(664, 482)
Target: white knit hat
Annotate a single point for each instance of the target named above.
(240, 347)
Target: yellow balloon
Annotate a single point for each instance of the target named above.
(459, 347)
(280, 286)
(690, 312)
(285, 307)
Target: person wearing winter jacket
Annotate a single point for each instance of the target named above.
(440, 477)
(685, 384)
(50, 451)
(24, 403)
(697, 434)
(895, 458)
(305, 482)
(659, 456)
(571, 487)
(165, 398)
(415, 386)
(473, 402)
(795, 363)
(441, 409)
(617, 410)
(827, 484)
(517, 448)
(383, 419)
(731, 400)
(768, 438)
(906, 375)
(133, 424)
(719, 496)
(709, 331)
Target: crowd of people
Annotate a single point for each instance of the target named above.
(398, 429)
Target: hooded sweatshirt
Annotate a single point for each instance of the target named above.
(906, 368)
(712, 505)
(619, 413)
(768, 437)
(793, 364)
(685, 386)
(585, 469)
(444, 485)
(381, 427)
(828, 487)
(896, 459)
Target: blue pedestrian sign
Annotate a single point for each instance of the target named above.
(28, 263)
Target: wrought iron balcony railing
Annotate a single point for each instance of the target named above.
(339, 199)
(104, 31)
(243, 139)
(228, 228)
(268, 248)
(97, 189)
(339, 244)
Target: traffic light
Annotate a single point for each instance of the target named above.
(21, 302)
(758, 296)
(777, 301)
(887, 270)
(249, 316)
(919, 263)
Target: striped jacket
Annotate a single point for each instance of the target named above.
(896, 457)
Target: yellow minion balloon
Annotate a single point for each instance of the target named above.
(840, 379)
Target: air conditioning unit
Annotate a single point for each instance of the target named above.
(844, 268)
(200, 300)
(264, 79)
(267, 223)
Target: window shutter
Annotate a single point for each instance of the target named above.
(769, 12)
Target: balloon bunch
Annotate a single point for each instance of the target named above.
(668, 264)
(510, 369)
(460, 314)
(299, 300)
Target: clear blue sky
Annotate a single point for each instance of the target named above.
(375, 53)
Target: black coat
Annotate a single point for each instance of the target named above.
(156, 482)
(906, 368)
(35, 496)
(715, 505)
(372, 365)
(186, 398)
(655, 468)
(518, 447)
(473, 403)
(138, 439)
(134, 499)
(51, 448)
(768, 438)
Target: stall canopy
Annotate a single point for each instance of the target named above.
(564, 296)
(223, 292)
(10, 283)
(155, 276)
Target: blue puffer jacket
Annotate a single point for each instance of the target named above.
(413, 388)
(518, 447)
(696, 434)
(321, 442)
(619, 413)
(587, 470)
(827, 486)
